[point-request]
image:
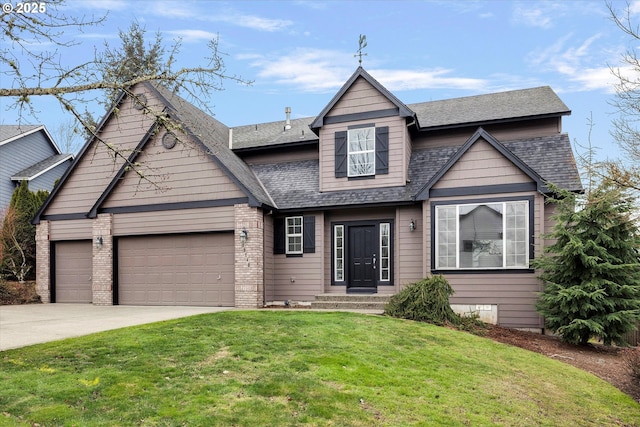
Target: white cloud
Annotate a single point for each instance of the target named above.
(575, 63)
(532, 17)
(317, 70)
(190, 36)
(397, 80)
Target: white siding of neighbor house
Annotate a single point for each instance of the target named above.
(96, 169)
(362, 97)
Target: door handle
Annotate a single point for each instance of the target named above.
(374, 261)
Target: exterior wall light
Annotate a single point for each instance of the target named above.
(412, 225)
(243, 236)
(98, 242)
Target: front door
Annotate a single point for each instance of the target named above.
(362, 259)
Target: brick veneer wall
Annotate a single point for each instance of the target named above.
(102, 279)
(43, 253)
(249, 257)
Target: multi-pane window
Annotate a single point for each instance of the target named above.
(361, 151)
(338, 251)
(385, 252)
(294, 235)
(482, 236)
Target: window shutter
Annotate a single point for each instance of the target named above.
(278, 236)
(382, 150)
(341, 154)
(309, 236)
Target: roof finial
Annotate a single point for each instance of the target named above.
(362, 43)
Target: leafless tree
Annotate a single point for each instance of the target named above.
(27, 72)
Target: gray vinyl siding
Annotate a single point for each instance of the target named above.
(97, 167)
(18, 155)
(183, 174)
(48, 179)
(300, 278)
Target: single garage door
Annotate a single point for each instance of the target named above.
(73, 271)
(181, 269)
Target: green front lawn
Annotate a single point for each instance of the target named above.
(279, 368)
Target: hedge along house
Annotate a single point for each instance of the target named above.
(367, 197)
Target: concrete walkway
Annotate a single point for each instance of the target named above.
(23, 325)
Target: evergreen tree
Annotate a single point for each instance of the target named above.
(18, 235)
(592, 271)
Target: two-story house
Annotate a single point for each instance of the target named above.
(366, 197)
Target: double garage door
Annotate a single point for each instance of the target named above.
(181, 269)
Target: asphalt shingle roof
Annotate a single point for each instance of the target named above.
(494, 107)
(33, 170)
(295, 185)
(11, 131)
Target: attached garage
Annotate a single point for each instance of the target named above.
(72, 271)
(177, 269)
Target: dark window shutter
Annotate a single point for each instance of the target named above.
(341, 154)
(278, 236)
(382, 150)
(309, 234)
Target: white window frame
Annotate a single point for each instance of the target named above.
(387, 257)
(364, 152)
(338, 253)
(507, 245)
(291, 236)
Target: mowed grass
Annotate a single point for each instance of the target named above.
(290, 368)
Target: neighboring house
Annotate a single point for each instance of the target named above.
(28, 153)
(367, 197)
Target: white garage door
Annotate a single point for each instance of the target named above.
(181, 269)
(73, 271)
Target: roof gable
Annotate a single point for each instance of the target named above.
(481, 134)
(403, 110)
(11, 133)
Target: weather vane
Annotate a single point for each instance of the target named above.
(362, 43)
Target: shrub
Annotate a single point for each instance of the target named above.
(425, 301)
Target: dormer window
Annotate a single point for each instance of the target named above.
(362, 151)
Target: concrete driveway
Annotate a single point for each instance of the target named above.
(23, 325)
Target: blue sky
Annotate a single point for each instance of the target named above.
(299, 53)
